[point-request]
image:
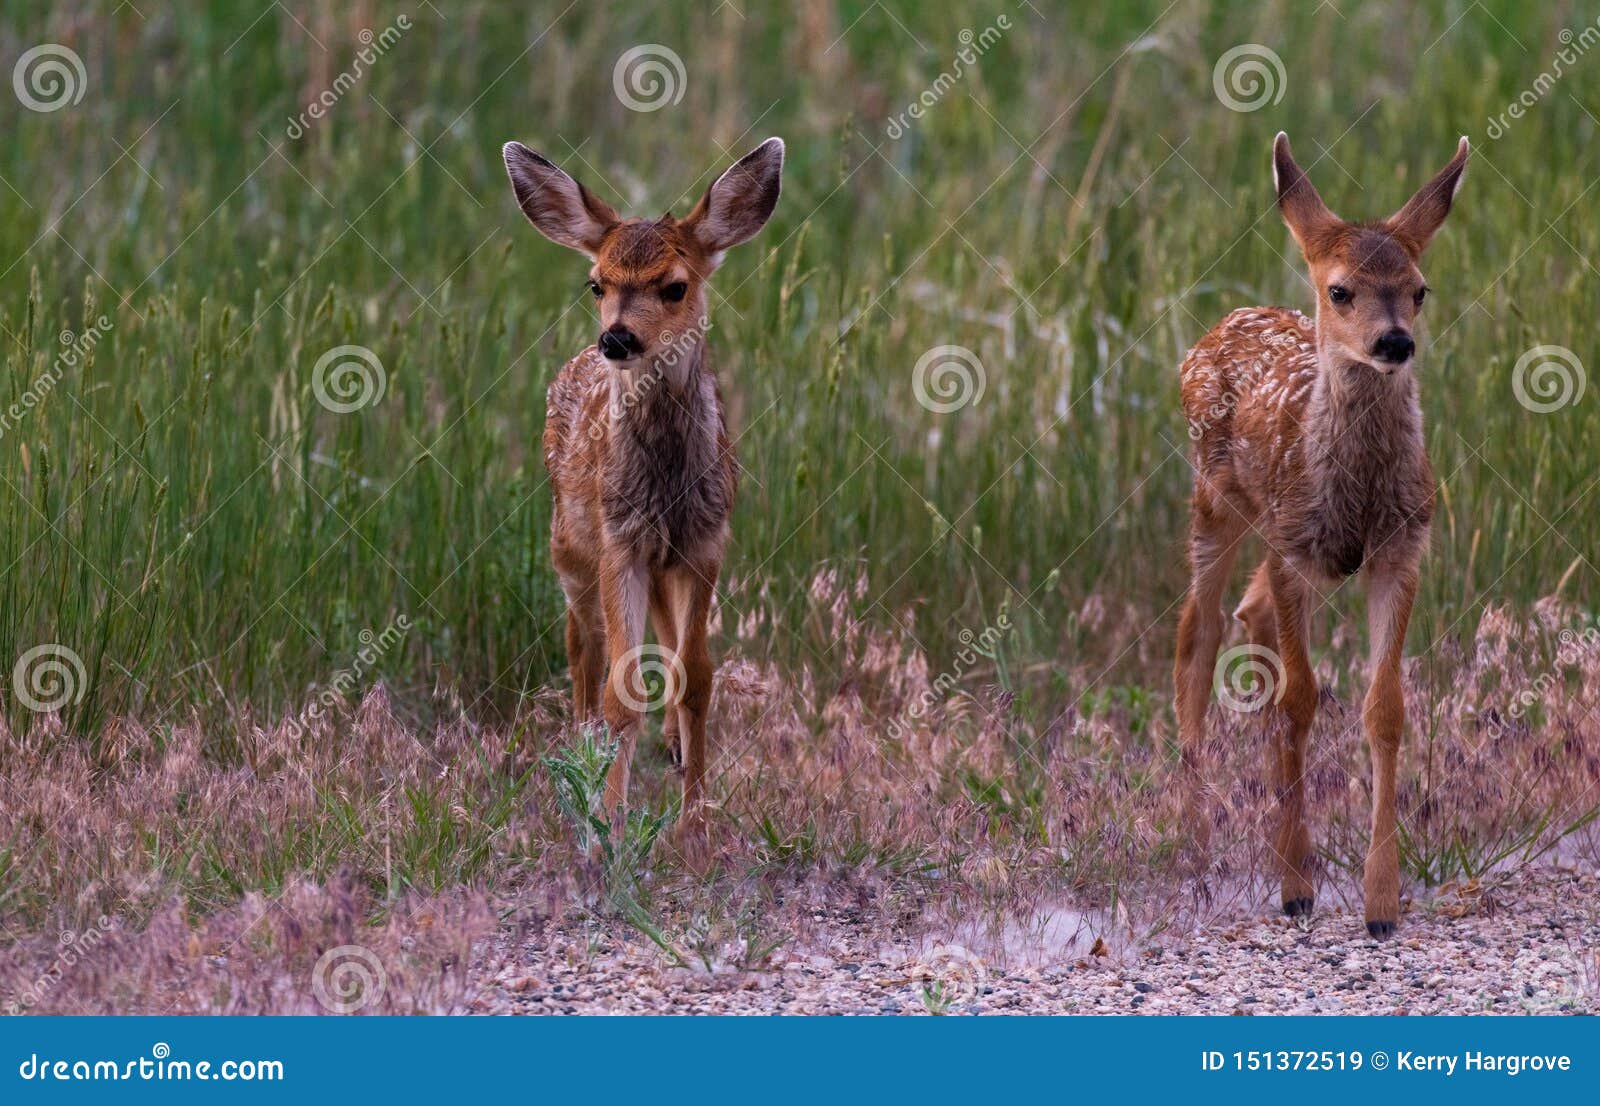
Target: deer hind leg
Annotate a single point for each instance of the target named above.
(661, 623)
(623, 598)
(1287, 735)
(586, 648)
(1213, 543)
(1393, 588)
(1257, 611)
(688, 590)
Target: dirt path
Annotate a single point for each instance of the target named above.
(1524, 944)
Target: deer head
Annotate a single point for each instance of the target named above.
(648, 275)
(1366, 277)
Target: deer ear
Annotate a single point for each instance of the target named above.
(738, 203)
(563, 210)
(1308, 217)
(1423, 214)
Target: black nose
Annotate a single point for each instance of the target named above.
(1395, 347)
(618, 343)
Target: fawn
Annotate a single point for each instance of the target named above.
(636, 445)
(1309, 433)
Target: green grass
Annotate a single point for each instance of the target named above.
(183, 514)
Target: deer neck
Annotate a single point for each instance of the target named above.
(1363, 424)
(665, 406)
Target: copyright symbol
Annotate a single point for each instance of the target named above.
(1380, 1060)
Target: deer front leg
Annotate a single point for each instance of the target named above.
(623, 598)
(1392, 589)
(1292, 845)
(687, 591)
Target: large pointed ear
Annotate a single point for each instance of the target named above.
(1416, 223)
(563, 210)
(738, 203)
(1308, 217)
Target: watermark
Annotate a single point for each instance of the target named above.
(954, 976)
(374, 646)
(1573, 647)
(1574, 47)
(973, 47)
(1548, 378)
(647, 677)
(649, 77)
(948, 378)
(1248, 677)
(75, 351)
(157, 1067)
(73, 948)
(348, 978)
(348, 378)
(983, 645)
(1242, 381)
(1249, 77)
(373, 47)
(49, 77)
(48, 677)
(664, 365)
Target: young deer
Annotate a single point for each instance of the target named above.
(637, 448)
(1309, 434)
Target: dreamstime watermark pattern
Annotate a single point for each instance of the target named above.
(1572, 648)
(1241, 381)
(74, 947)
(973, 47)
(373, 47)
(49, 77)
(348, 378)
(1248, 677)
(631, 677)
(157, 1067)
(1548, 378)
(639, 387)
(958, 976)
(649, 77)
(345, 682)
(948, 378)
(48, 677)
(76, 351)
(983, 644)
(1529, 97)
(1249, 77)
(348, 978)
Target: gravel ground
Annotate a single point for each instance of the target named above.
(1528, 943)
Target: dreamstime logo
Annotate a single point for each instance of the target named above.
(1548, 378)
(975, 646)
(347, 681)
(956, 975)
(348, 978)
(632, 678)
(1249, 77)
(74, 947)
(348, 378)
(1247, 677)
(649, 77)
(1573, 647)
(49, 78)
(1573, 49)
(973, 47)
(48, 677)
(75, 351)
(373, 47)
(948, 378)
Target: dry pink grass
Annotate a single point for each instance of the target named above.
(231, 861)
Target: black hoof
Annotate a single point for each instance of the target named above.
(1297, 908)
(1381, 931)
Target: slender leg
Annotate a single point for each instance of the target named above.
(623, 594)
(586, 650)
(1257, 611)
(661, 622)
(688, 591)
(1392, 589)
(1291, 600)
(1213, 545)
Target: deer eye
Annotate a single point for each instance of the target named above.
(594, 288)
(675, 291)
(1338, 293)
(1422, 294)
